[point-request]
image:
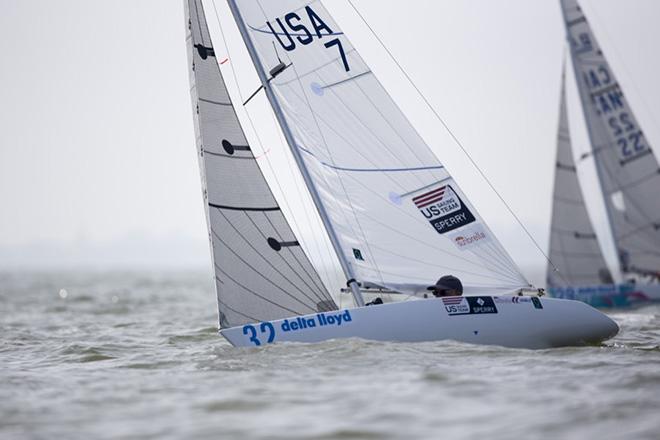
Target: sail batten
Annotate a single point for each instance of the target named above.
(261, 271)
(244, 208)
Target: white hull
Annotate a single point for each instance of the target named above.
(511, 321)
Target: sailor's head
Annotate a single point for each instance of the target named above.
(447, 285)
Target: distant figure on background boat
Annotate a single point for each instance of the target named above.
(447, 285)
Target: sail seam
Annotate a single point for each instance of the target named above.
(327, 86)
(435, 265)
(356, 149)
(253, 319)
(262, 275)
(315, 70)
(371, 170)
(228, 156)
(630, 200)
(605, 89)
(350, 203)
(425, 243)
(271, 264)
(576, 21)
(359, 120)
(639, 181)
(297, 261)
(261, 296)
(653, 224)
(632, 159)
(210, 101)
(323, 296)
(395, 131)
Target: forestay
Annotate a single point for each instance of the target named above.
(627, 168)
(399, 216)
(261, 271)
(574, 248)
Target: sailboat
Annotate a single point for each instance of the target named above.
(629, 178)
(394, 215)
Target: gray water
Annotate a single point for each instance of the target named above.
(136, 355)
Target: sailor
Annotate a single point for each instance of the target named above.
(447, 285)
(375, 302)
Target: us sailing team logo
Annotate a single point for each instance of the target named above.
(469, 305)
(456, 305)
(444, 209)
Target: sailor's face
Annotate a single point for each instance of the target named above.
(445, 292)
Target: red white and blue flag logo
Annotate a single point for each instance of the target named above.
(469, 305)
(456, 305)
(452, 300)
(430, 197)
(443, 208)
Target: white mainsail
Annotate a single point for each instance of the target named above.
(627, 168)
(399, 217)
(574, 247)
(261, 272)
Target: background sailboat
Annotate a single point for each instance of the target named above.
(574, 248)
(629, 178)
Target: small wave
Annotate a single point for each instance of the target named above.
(159, 365)
(436, 376)
(351, 434)
(234, 405)
(201, 335)
(95, 358)
(82, 354)
(81, 298)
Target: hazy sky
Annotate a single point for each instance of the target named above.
(97, 140)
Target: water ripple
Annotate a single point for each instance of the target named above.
(137, 355)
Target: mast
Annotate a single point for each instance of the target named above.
(599, 172)
(345, 265)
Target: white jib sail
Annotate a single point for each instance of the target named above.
(261, 272)
(400, 217)
(574, 247)
(628, 170)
